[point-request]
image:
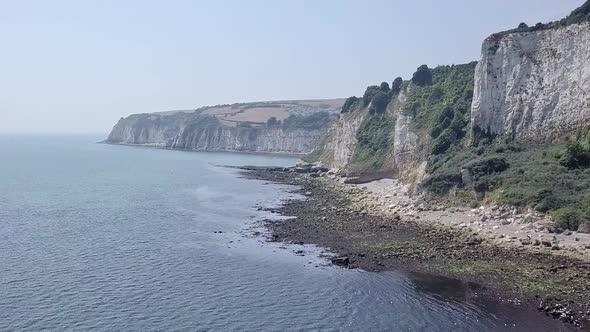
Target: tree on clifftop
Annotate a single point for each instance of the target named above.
(347, 107)
(422, 76)
(396, 86)
(369, 93)
(379, 102)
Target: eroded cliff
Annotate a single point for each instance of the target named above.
(277, 127)
(534, 85)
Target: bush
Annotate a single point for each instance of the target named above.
(272, 122)
(370, 93)
(576, 155)
(348, 104)
(374, 140)
(569, 218)
(379, 102)
(440, 184)
(384, 87)
(487, 166)
(396, 86)
(440, 145)
(422, 76)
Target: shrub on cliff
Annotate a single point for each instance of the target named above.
(396, 85)
(349, 104)
(576, 155)
(379, 102)
(370, 93)
(422, 76)
(440, 184)
(442, 108)
(374, 140)
(487, 165)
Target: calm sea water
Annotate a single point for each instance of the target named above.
(114, 238)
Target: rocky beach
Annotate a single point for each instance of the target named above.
(500, 253)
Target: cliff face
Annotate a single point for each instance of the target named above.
(534, 85)
(337, 146)
(341, 146)
(207, 133)
(292, 127)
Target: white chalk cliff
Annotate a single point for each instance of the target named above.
(534, 85)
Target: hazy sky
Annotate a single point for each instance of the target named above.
(78, 66)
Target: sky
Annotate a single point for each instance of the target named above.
(78, 66)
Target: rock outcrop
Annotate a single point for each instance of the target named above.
(534, 85)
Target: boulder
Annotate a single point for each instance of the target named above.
(341, 261)
(584, 228)
(320, 169)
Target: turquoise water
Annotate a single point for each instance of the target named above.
(101, 237)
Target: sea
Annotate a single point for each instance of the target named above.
(97, 237)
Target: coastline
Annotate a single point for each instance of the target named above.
(373, 238)
(162, 147)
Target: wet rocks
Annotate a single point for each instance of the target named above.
(341, 261)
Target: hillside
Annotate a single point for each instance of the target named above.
(509, 129)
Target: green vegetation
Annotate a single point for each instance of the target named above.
(374, 136)
(374, 139)
(422, 76)
(396, 86)
(350, 104)
(273, 122)
(571, 218)
(370, 93)
(577, 154)
(549, 178)
(313, 121)
(531, 176)
(379, 102)
(441, 109)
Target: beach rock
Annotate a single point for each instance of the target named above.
(529, 218)
(525, 242)
(584, 228)
(341, 261)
